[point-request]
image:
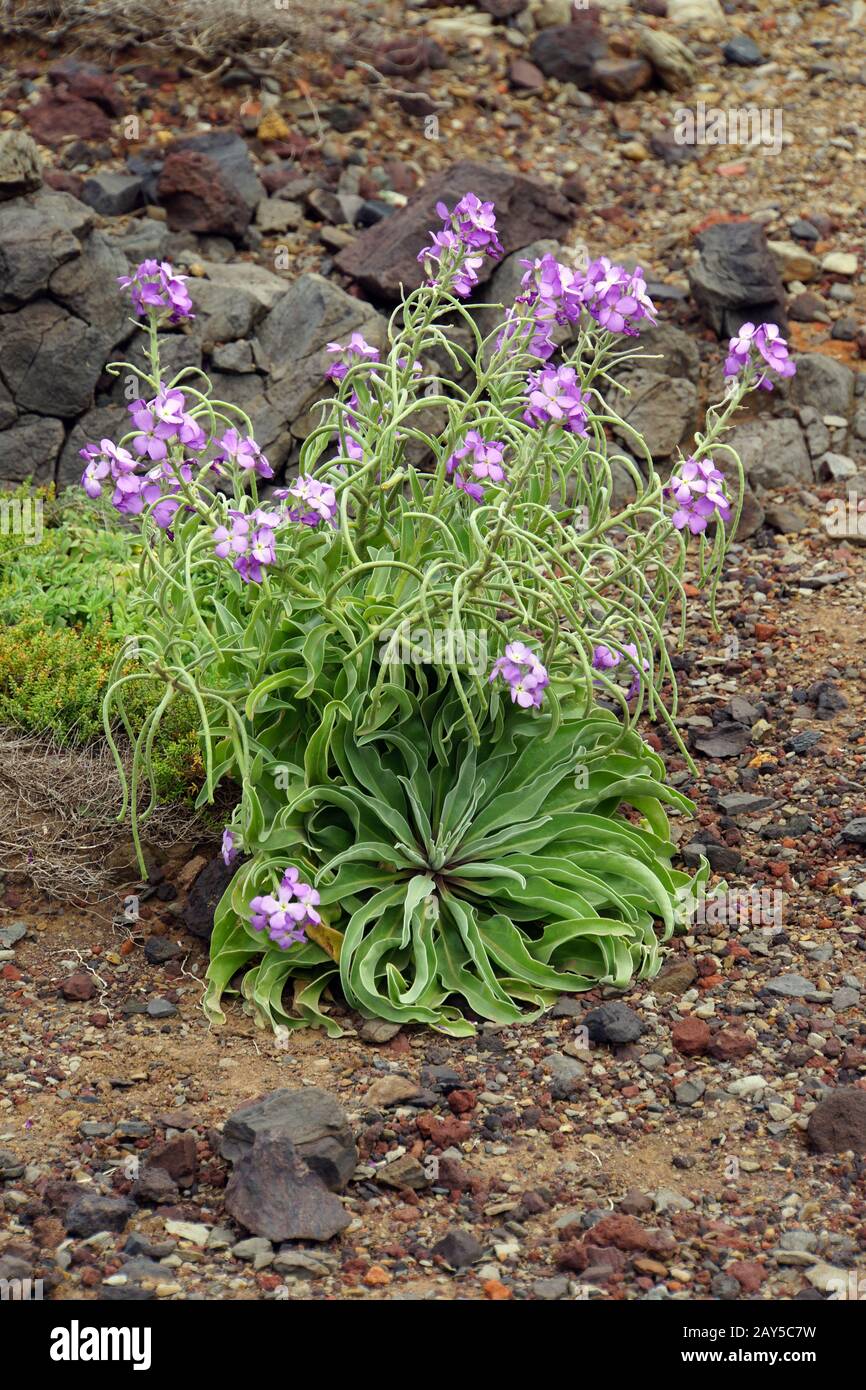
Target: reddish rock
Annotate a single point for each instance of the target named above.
(443, 1133)
(627, 1233)
(461, 1102)
(838, 1122)
(525, 76)
(621, 78)
(690, 1036)
(177, 1157)
(730, 1045)
(568, 52)
(88, 82)
(78, 987)
(408, 56)
(59, 115)
(748, 1273)
(579, 1257)
(198, 198)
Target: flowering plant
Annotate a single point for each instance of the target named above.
(422, 660)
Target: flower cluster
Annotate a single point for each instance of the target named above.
(617, 298)
(603, 659)
(522, 671)
(771, 347)
(249, 542)
(318, 501)
(475, 461)
(285, 914)
(698, 490)
(229, 849)
(244, 452)
(133, 491)
(357, 349)
(555, 398)
(163, 421)
(154, 287)
(466, 236)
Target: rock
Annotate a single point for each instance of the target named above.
(308, 1121)
(836, 467)
(87, 287)
(11, 935)
(178, 1157)
(20, 165)
(159, 949)
(111, 195)
(87, 81)
(792, 261)
(824, 383)
(613, 1023)
(840, 263)
(751, 516)
(390, 1090)
(695, 12)
(844, 998)
(550, 1289)
(674, 63)
(78, 988)
(855, 831)
(627, 1233)
(385, 256)
(49, 360)
(154, 1187)
(198, 198)
(621, 78)
(29, 449)
(787, 518)
(231, 153)
(262, 284)
(58, 115)
(204, 897)
(566, 1073)
(773, 452)
(525, 76)
(277, 215)
(38, 233)
(838, 1122)
(104, 422)
(405, 1171)
(743, 52)
(234, 357)
(668, 351)
(661, 410)
(292, 340)
(736, 279)
(808, 308)
(273, 1193)
(569, 51)
(299, 1264)
(689, 1092)
(690, 1036)
(790, 986)
(676, 976)
(458, 1248)
(91, 1212)
(223, 314)
(256, 1249)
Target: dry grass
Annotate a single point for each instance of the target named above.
(206, 34)
(59, 824)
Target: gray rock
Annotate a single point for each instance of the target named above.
(567, 1074)
(273, 1193)
(221, 314)
(798, 1240)
(277, 215)
(824, 383)
(161, 1008)
(773, 452)
(257, 1250)
(855, 831)
(309, 1121)
(111, 195)
(751, 515)
(613, 1023)
(231, 153)
(11, 935)
(146, 239)
(29, 449)
(836, 467)
(234, 357)
(660, 409)
(299, 1264)
(676, 349)
(87, 287)
(844, 998)
(50, 360)
(92, 1212)
(154, 1187)
(38, 233)
(743, 51)
(736, 279)
(20, 165)
(550, 1289)
(458, 1248)
(267, 287)
(689, 1092)
(790, 986)
(291, 341)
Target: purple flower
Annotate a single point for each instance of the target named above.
(467, 235)
(358, 348)
(765, 340)
(523, 673)
(483, 459)
(243, 451)
(285, 913)
(555, 397)
(249, 542)
(318, 501)
(103, 460)
(155, 288)
(698, 492)
(229, 850)
(603, 659)
(617, 298)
